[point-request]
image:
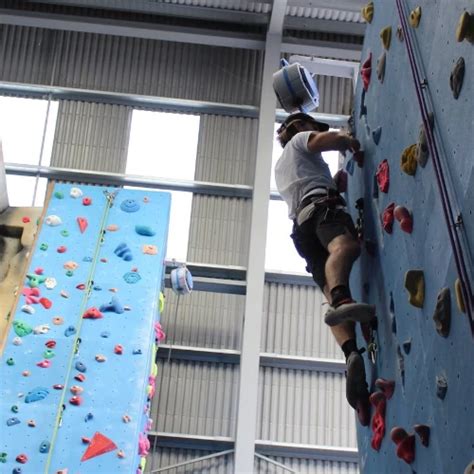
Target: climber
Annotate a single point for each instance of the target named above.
(324, 235)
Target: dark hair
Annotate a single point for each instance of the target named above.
(288, 130)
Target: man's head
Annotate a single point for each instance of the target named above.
(296, 123)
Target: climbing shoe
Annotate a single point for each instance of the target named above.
(357, 393)
(351, 311)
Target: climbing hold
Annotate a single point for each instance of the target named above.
(381, 67)
(75, 400)
(442, 312)
(124, 252)
(36, 394)
(150, 249)
(14, 408)
(58, 386)
(100, 358)
(65, 233)
(143, 445)
(25, 220)
(132, 277)
(59, 195)
(358, 157)
(17, 341)
(80, 377)
(21, 328)
(26, 373)
(105, 334)
(85, 439)
(22, 458)
(161, 302)
(88, 417)
(13, 421)
(422, 150)
(367, 12)
(144, 230)
(43, 247)
(76, 390)
(82, 223)
(61, 249)
(50, 344)
(376, 134)
(31, 423)
(113, 306)
(92, 313)
(441, 386)
(457, 77)
(423, 431)
(97, 288)
(17, 470)
(44, 364)
(112, 227)
(404, 217)
(415, 17)
(159, 333)
(126, 419)
(70, 265)
(44, 447)
(378, 401)
(69, 331)
(53, 221)
(35, 280)
(87, 259)
(118, 349)
(383, 176)
(64, 294)
(41, 329)
(130, 205)
(136, 351)
(10, 361)
(120, 454)
(459, 296)
(405, 444)
(50, 283)
(81, 286)
(87, 201)
(103, 260)
(407, 346)
(469, 468)
(26, 308)
(350, 166)
(386, 37)
(366, 71)
(465, 28)
(80, 366)
(387, 218)
(99, 445)
(39, 271)
(46, 303)
(408, 160)
(401, 365)
(48, 354)
(387, 387)
(75, 193)
(415, 284)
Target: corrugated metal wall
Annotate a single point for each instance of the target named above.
(305, 466)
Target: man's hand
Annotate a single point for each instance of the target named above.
(327, 141)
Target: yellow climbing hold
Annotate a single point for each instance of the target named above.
(386, 36)
(161, 302)
(408, 161)
(415, 17)
(459, 296)
(368, 12)
(465, 28)
(415, 284)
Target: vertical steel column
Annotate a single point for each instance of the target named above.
(3, 183)
(249, 360)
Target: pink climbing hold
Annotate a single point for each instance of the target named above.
(379, 402)
(159, 333)
(61, 249)
(31, 295)
(82, 223)
(92, 313)
(387, 218)
(44, 364)
(80, 377)
(405, 444)
(75, 400)
(118, 349)
(366, 71)
(22, 458)
(98, 445)
(46, 303)
(39, 271)
(383, 176)
(25, 220)
(387, 387)
(85, 440)
(143, 445)
(80, 286)
(50, 344)
(402, 214)
(87, 201)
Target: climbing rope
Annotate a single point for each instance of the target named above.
(75, 346)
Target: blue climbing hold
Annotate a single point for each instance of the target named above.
(132, 277)
(97, 288)
(70, 331)
(87, 259)
(124, 252)
(13, 421)
(144, 230)
(129, 205)
(441, 386)
(350, 166)
(376, 134)
(37, 394)
(16, 470)
(113, 306)
(105, 334)
(80, 366)
(136, 351)
(88, 417)
(44, 447)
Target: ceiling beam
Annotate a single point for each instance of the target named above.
(324, 26)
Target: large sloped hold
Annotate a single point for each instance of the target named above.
(87, 418)
(295, 88)
(465, 28)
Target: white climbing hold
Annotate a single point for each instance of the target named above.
(26, 308)
(17, 341)
(53, 220)
(41, 329)
(50, 283)
(75, 193)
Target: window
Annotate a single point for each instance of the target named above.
(280, 254)
(164, 145)
(22, 125)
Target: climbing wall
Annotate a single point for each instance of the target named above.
(408, 246)
(78, 366)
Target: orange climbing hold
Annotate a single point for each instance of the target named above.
(383, 176)
(415, 284)
(465, 28)
(415, 17)
(386, 37)
(367, 12)
(82, 223)
(99, 445)
(379, 402)
(459, 296)
(387, 387)
(403, 215)
(405, 444)
(408, 161)
(366, 71)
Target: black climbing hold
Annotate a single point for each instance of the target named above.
(442, 312)
(457, 77)
(401, 365)
(375, 188)
(407, 346)
(441, 386)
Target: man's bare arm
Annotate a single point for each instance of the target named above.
(328, 141)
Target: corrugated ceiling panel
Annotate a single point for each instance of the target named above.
(302, 406)
(91, 136)
(305, 466)
(162, 457)
(197, 398)
(335, 94)
(326, 13)
(293, 322)
(263, 6)
(202, 319)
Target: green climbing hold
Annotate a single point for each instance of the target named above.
(21, 328)
(69, 273)
(415, 284)
(10, 361)
(386, 37)
(48, 354)
(44, 247)
(14, 408)
(65, 233)
(35, 280)
(3, 458)
(59, 195)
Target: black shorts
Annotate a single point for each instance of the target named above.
(313, 236)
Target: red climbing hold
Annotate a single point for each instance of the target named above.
(87, 201)
(387, 218)
(402, 214)
(76, 400)
(61, 249)
(92, 313)
(44, 364)
(80, 377)
(25, 220)
(366, 71)
(81, 286)
(405, 444)
(46, 303)
(39, 271)
(423, 431)
(22, 458)
(379, 402)
(50, 344)
(383, 176)
(118, 349)
(58, 386)
(387, 387)
(99, 445)
(82, 222)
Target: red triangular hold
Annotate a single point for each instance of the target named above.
(82, 222)
(98, 445)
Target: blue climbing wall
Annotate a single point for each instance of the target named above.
(106, 265)
(379, 279)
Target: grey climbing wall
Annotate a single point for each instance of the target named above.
(410, 351)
